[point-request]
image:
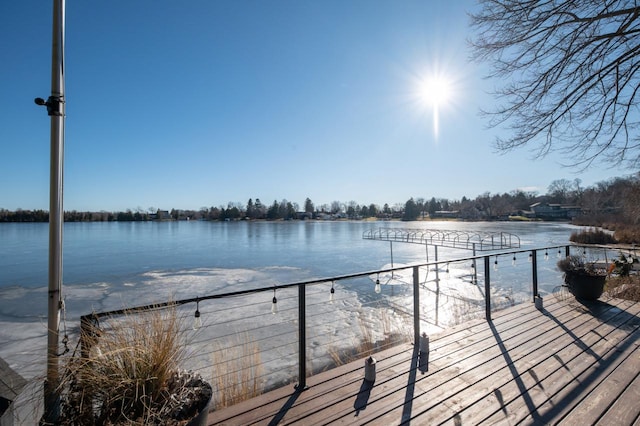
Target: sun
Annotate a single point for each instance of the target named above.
(435, 92)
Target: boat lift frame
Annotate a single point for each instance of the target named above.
(465, 240)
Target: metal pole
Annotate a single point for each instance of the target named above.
(475, 265)
(56, 110)
(302, 339)
(487, 288)
(416, 305)
(437, 265)
(391, 248)
(534, 273)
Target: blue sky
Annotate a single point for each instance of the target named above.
(200, 103)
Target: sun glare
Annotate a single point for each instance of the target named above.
(435, 92)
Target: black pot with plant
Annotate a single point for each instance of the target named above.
(584, 279)
(131, 375)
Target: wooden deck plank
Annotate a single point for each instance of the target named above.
(529, 376)
(571, 378)
(482, 378)
(501, 372)
(605, 394)
(422, 384)
(279, 400)
(518, 316)
(625, 410)
(344, 388)
(430, 382)
(340, 380)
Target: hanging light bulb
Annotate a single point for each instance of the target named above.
(274, 303)
(447, 270)
(332, 294)
(546, 255)
(197, 321)
(495, 264)
(530, 257)
(513, 261)
(473, 268)
(378, 288)
(559, 253)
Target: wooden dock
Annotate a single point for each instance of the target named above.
(573, 364)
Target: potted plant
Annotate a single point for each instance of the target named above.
(129, 374)
(584, 279)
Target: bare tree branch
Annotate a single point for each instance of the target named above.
(570, 73)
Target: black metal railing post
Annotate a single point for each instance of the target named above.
(416, 305)
(534, 273)
(302, 338)
(487, 288)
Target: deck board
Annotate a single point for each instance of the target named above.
(572, 363)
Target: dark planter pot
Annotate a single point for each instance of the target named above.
(201, 418)
(584, 286)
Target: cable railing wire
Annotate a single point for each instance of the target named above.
(353, 297)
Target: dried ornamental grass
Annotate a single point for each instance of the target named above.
(132, 375)
(237, 371)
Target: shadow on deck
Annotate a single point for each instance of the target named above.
(572, 363)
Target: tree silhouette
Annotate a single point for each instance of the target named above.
(570, 76)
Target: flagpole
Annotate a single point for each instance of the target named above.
(56, 110)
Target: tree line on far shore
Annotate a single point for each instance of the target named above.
(615, 201)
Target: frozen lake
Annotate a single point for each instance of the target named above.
(111, 265)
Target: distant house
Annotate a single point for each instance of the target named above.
(445, 214)
(161, 215)
(304, 215)
(549, 211)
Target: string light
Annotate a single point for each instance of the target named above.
(495, 264)
(447, 270)
(274, 303)
(559, 253)
(332, 294)
(378, 288)
(197, 320)
(546, 255)
(530, 257)
(513, 261)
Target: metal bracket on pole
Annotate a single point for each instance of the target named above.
(54, 104)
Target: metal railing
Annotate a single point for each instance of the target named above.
(414, 284)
